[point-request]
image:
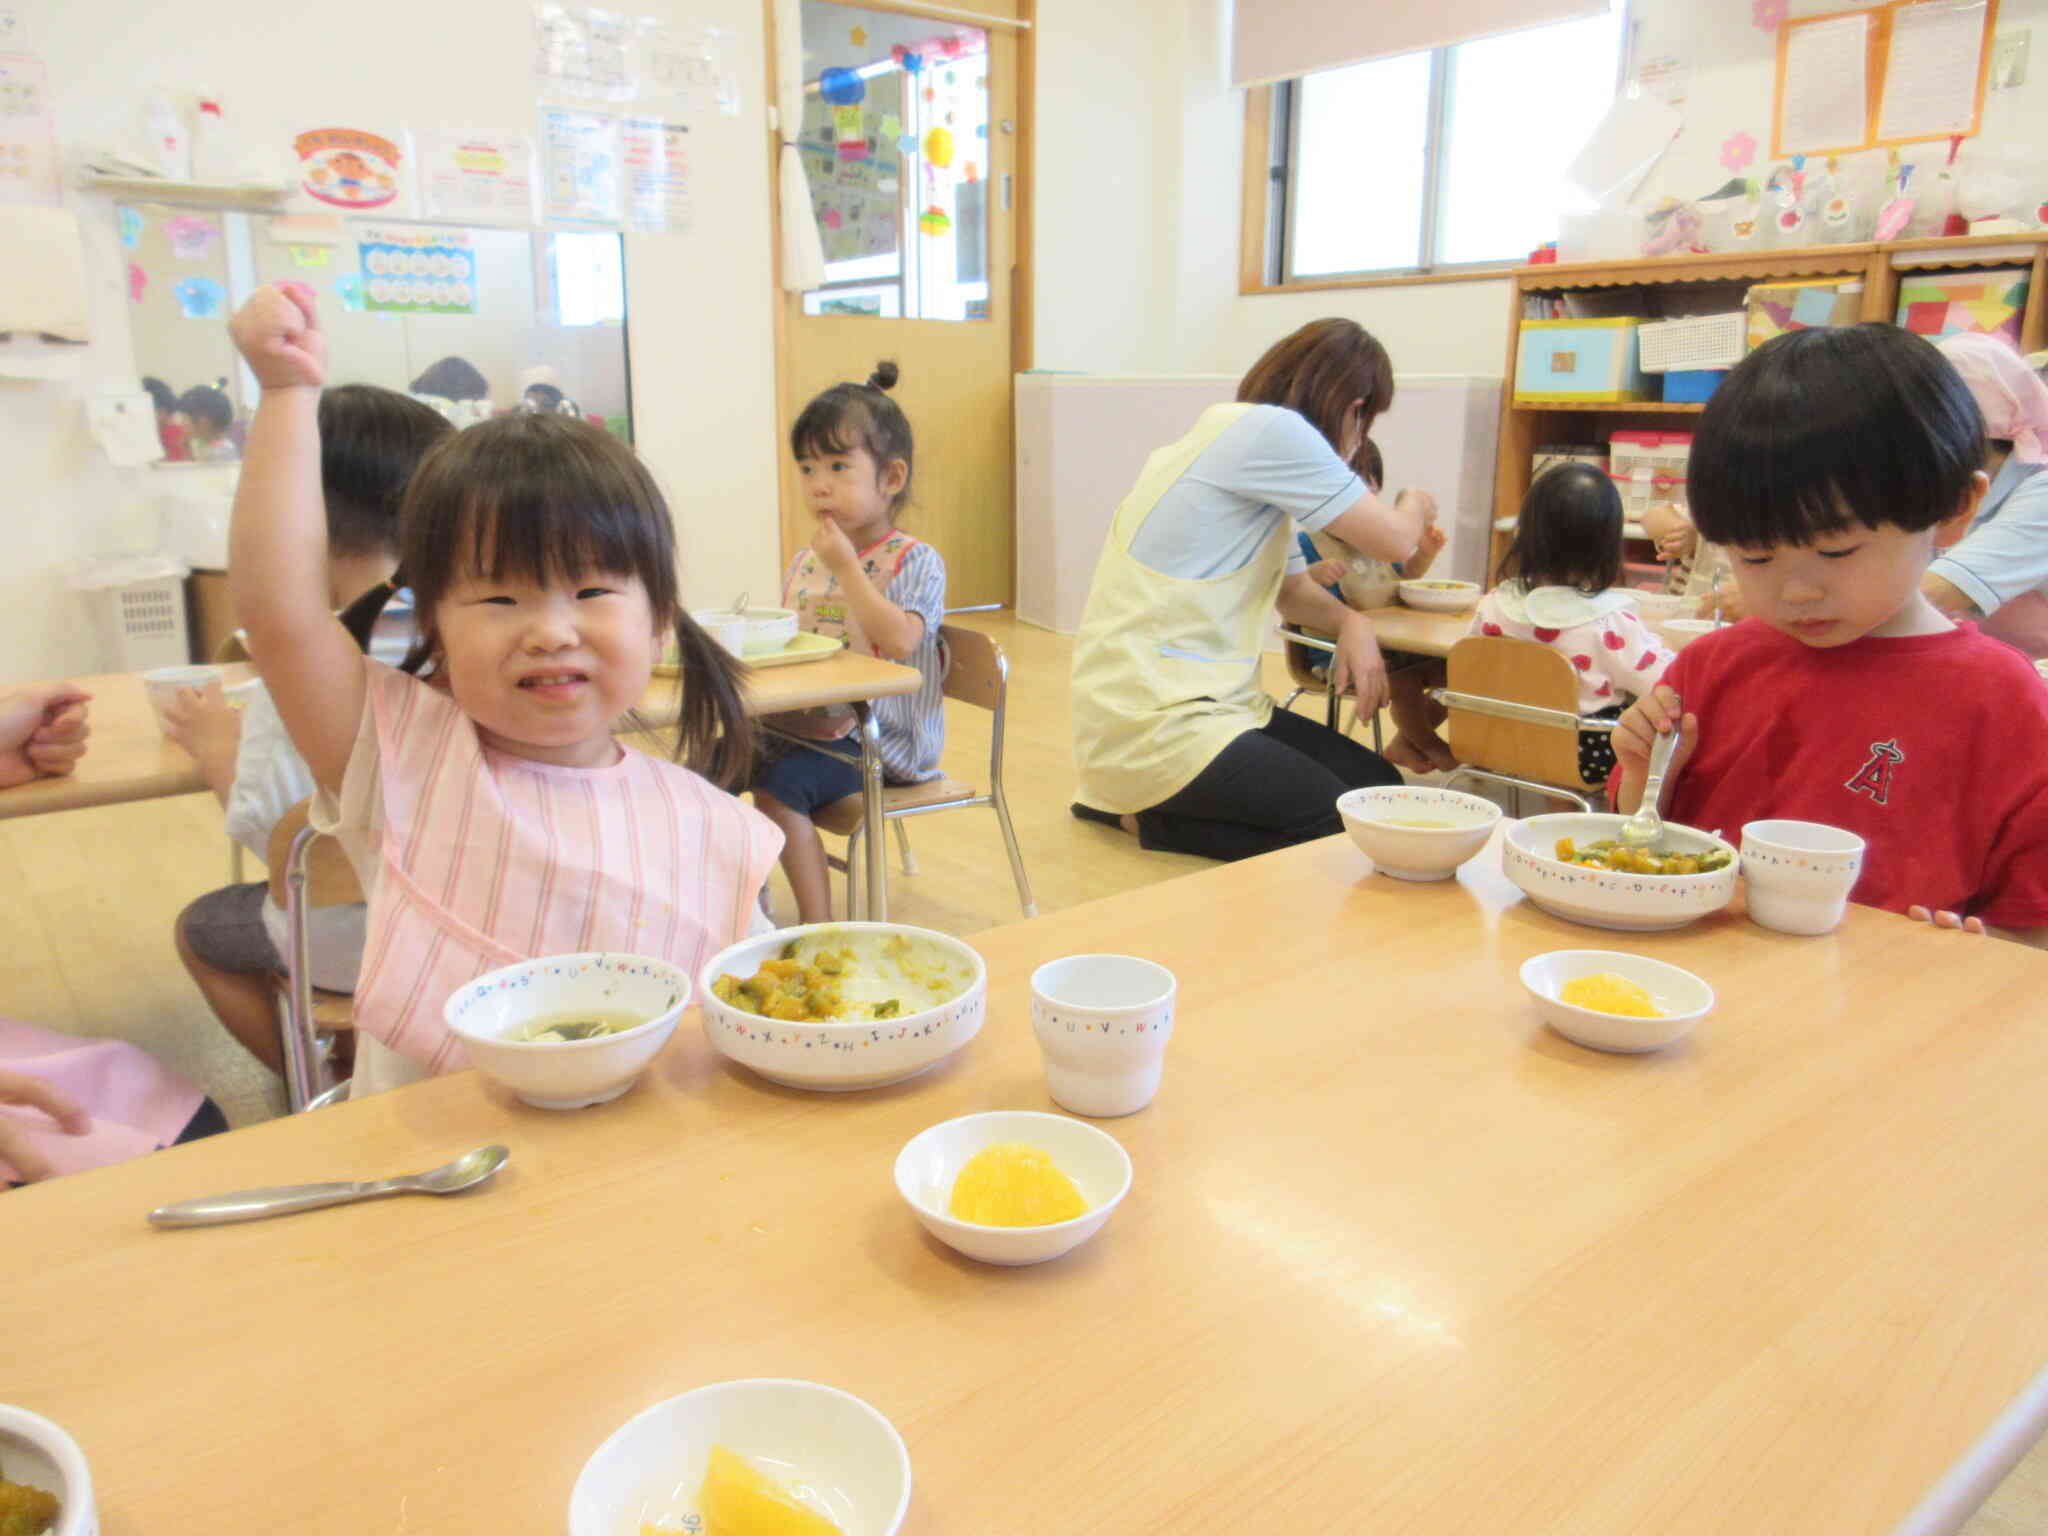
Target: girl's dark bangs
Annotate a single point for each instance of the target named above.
(523, 533)
(825, 428)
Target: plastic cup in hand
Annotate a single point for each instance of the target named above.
(1103, 1022)
(163, 684)
(1799, 874)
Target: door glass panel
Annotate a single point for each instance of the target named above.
(895, 146)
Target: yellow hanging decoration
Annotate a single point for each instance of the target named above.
(938, 148)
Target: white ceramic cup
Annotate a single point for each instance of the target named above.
(1103, 1022)
(1798, 874)
(163, 684)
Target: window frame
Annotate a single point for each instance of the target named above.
(1271, 139)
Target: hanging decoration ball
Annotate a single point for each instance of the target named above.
(907, 143)
(912, 62)
(832, 218)
(938, 148)
(842, 87)
(933, 221)
(858, 37)
(953, 46)
(981, 130)
(971, 171)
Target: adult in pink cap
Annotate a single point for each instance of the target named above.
(1998, 573)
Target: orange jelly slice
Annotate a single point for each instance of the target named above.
(738, 1499)
(1012, 1185)
(1605, 992)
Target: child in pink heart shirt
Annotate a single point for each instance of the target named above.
(1558, 589)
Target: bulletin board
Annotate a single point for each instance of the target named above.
(1908, 72)
(857, 199)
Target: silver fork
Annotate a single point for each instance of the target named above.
(1644, 828)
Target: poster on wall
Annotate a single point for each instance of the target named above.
(407, 270)
(581, 183)
(348, 168)
(475, 178)
(584, 53)
(29, 168)
(688, 71)
(657, 171)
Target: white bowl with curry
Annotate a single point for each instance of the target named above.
(1573, 867)
(841, 1006)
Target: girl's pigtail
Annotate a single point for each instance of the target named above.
(360, 617)
(715, 736)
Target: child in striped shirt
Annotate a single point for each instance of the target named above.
(884, 592)
(479, 791)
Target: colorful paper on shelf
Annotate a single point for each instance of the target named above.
(1801, 304)
(348, 168)
(1813, 307)
(1990, 303)
(416, 270)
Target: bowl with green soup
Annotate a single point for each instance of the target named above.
(568, 1031)
(1415, 831)
(840, 1006)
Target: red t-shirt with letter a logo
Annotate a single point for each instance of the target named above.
(1932, 748)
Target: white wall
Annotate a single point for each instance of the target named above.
(700, 325)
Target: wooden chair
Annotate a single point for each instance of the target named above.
(1294, 642)
(1515, 717)
(309, 870)
(977, 673)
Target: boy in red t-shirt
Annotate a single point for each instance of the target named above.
(1832, 464)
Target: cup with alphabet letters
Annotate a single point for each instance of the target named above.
(1798, 874)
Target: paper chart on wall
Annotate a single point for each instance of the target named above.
(584, 53)
(475, 178)
(1824, 101)
(414, 270)
(29, 168)
(581, 183)
(656, 155)
(1932, 70)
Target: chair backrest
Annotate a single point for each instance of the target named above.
(232, 648)
(1298, 657)
(330, 878)
(976, 672)
(1516, 672)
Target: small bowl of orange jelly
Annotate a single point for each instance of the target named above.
(1013, 1186)
(1611, 1001)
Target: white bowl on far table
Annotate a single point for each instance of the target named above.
(1681, 996)
(568, 1074)
(1434, 596)
(767, 629)
(42, 1455)
(832, 1451)
(1679, 633)
(838, 1056)
(1657, 607)
(931, 1161)
(1607, 898)
(1381, 822)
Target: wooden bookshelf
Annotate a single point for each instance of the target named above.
(1673, 284)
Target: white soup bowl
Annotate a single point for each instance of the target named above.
(1374, 819)
(42, 1455)
(568, 1074)
(1434, 596)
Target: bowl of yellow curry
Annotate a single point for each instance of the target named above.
(840, 1006)
(1575, 867)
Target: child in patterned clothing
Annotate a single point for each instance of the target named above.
(865, 581)
(1558, 589)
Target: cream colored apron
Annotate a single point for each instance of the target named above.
(1166, 669)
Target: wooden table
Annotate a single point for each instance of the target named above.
(128, 758)
(842, 678)
(1396, 1259)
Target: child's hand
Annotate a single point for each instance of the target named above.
(1726, 602)
(204, 723)
(1327, 573)
(15, 1147)
(1637, 731)
(1432, 545)
(831, 545)
(1946, 920)
(278, 334)
(42, 732)
(1677, 544)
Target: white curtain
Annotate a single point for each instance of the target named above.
(1281, 39)
(803, 254)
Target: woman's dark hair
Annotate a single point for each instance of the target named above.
(545, 498)
(1568, 533)
(1318, 371)
(453, 378)
(850, 416)
(1818, 431)
(160, 394)
(1372, 468)
(371, 440)
(202, 402)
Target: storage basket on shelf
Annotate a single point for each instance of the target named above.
(1580, 362)
(139, 603)
(1690, 354)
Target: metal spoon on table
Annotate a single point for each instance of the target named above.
(470, 1169)
(1644, 828)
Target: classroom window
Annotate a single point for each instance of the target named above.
(1447, 158)
(589, 278)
